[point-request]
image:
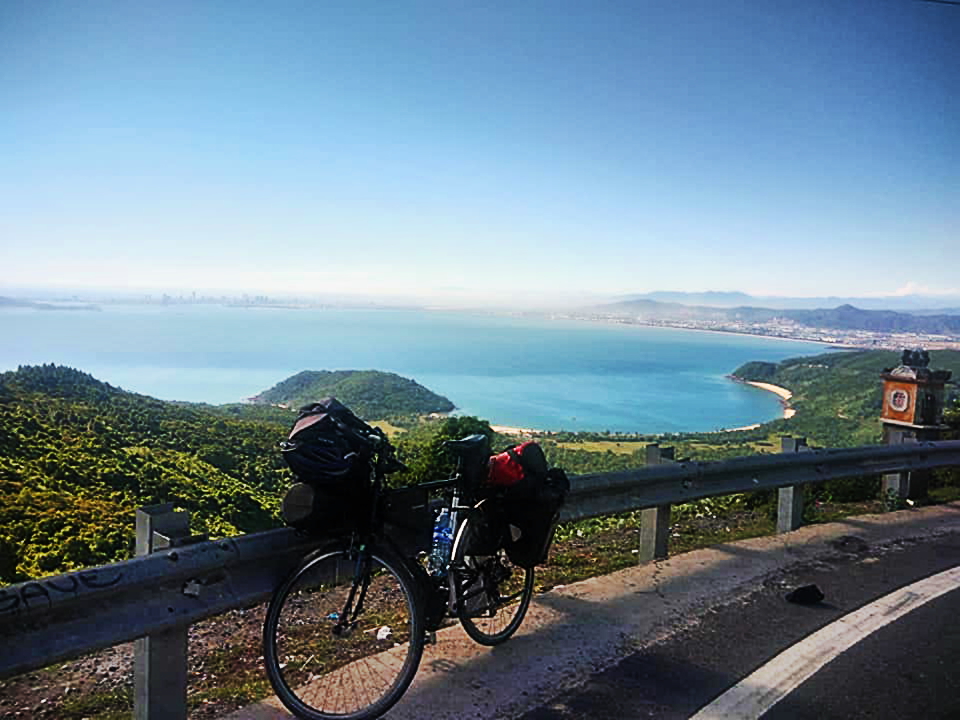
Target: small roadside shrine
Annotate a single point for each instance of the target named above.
(912, 411)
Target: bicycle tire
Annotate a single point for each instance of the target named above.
(360, 672)
(492, 594)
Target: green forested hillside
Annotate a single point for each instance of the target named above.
(371, 394)
(838, 394)
(77, 456)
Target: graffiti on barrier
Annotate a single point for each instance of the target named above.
(25, 595)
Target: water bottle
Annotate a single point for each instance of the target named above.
(442, 543)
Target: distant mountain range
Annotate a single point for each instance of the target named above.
(843, 317)
(913, 304)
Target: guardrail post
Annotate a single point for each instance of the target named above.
(790, 499)
(160, 660)
(655, 521)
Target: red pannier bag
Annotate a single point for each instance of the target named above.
(508, 468)
(531, 495)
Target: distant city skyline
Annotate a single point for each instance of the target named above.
(506, 155)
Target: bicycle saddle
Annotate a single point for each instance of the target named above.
(470, 444)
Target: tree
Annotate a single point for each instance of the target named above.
(423, 452)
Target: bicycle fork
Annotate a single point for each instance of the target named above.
(347, 621)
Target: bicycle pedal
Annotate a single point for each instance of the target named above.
(430, 637)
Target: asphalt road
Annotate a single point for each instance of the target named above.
(907, 669)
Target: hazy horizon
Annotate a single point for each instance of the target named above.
(902, 302)
(501, 155)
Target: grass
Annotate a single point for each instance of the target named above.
(236, 692)
(622, 447)
(113, 704)
(391, 430)
(945, 494)
(758, 446)
(232, 675)
(600, 546)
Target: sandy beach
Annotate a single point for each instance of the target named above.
(782, 392)
(507, 430)
(741, 429)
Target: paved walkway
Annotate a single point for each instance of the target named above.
(576, 630)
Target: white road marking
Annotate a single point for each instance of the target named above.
(760, 691)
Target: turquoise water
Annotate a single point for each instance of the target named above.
(519, 371)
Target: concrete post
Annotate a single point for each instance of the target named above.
(655, 522)
(160, 661)
(901, 485)
(790, 499)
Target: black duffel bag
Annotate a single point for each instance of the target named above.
(330, 451)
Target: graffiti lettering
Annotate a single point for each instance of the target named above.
(18, 597)
(91, 580)
(8, 601)
(33, 590)
(54, 583)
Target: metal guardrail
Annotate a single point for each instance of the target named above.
(599, 494)
(55, 618)
(48, 620)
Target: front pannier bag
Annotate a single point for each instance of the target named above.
(329, 451)
(532, 500)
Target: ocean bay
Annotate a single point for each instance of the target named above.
(512, 370)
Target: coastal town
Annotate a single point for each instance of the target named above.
(787, 329)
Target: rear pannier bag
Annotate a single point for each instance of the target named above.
(532, 497)
(532, 522)
(517, 465)
(329, 451)
(486, 529)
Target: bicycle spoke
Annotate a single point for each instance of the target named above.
(343, 646)
(493, 594)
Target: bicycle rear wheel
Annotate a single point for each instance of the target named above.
(493, 594)
(343, 636)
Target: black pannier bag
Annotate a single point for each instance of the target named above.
(536, 520)
(330, 452)
(486, 530)
(531, 504)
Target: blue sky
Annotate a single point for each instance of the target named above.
(495, 150)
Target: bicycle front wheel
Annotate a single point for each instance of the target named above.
(343, 636)
(493, 594)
